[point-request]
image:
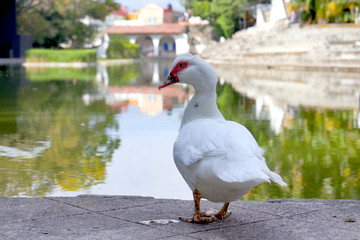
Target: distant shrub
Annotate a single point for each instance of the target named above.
(121, 47)
(61, 55)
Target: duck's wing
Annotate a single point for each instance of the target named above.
(234, 153)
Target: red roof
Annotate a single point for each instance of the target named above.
(170, 28)
(122, 11)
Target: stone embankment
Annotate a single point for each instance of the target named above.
(328, 47)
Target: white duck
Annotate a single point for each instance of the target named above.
(220, 160)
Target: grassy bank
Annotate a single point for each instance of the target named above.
(61, 55)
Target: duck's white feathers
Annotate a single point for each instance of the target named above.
(221, 159)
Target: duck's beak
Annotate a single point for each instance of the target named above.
(170, 80)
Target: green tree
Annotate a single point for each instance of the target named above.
(121, 47)
(326, 11)
(53, 22)
(223, 14)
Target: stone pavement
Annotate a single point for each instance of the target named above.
(127, 217)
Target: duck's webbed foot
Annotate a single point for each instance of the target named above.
(202, 217)
(223, 213)
(199, 218)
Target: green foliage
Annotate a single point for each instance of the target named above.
(326, 11)
(201, 8)
(124, 74)
(38, 27)
(222, 14)
(61, 55)
(99, 9)
(121, 47)
(226, 24)
(58, 21)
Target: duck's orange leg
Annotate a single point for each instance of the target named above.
(199, 217)
(223, 213)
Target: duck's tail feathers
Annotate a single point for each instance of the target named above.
(277, 179)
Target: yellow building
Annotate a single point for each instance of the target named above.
(151, 14)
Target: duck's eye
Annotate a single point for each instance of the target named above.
(181, 65)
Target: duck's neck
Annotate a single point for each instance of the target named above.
(202, 105)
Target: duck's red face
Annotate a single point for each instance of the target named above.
(173, 76)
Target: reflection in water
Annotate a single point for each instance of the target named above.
(143, 92)
(315, 147)
(330, 90)
(62, 136)
(109, 130)
(277, 92)
(54, 140)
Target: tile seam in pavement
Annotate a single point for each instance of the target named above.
(36, 219)
(233, 225)
(172, 232)
(222, 227)
(106, 210)
(103, 213)
(266, 220)
(307, 221)
(285, 215)
(290, 216)
(131, 207)
(99, 212)
(324, 225)
(181, 235)
(317, 210)
(247, 209)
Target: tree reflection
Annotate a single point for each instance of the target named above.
(316, 152)
(73, 137)
(120, 75)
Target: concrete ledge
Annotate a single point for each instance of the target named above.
(10, 61)
(107, 62)
(127, 217)
(59, 64)
(334, 67)
(80, 64)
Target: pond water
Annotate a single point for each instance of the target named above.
(109, 130)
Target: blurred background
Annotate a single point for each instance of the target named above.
(80, 111)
